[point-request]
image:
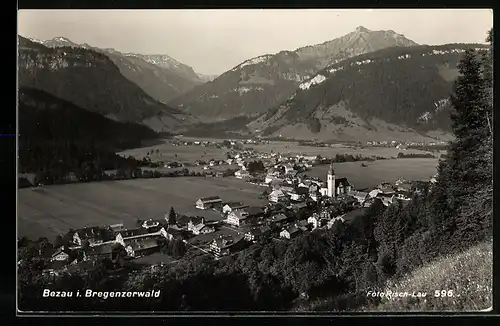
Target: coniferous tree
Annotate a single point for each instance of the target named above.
(172, 217)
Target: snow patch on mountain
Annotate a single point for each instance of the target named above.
(253, 61)
(316, 80)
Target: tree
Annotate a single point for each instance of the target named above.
(58, 241)
(172, 217)
(255, 166)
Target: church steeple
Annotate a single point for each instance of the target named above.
(331, 171)
(330, 179)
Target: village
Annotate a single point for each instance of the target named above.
(296, 204)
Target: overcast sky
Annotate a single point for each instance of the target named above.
(214, 41)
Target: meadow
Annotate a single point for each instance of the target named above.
(53, 210)
(295, 148)
(379, 171)
(183, 154)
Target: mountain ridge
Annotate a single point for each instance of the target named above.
(94, 82)
(403, 90)
(262, 82)
(159, 75)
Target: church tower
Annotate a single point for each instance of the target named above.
(331, 182)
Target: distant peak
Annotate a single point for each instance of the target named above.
(61, 39)
(362, 29)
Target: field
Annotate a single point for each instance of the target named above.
(294, 148)
(380, 171)
(185, 154)
(55, 209)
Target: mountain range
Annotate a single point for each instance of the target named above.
(159, 75)
(394, 93)
(91, 80)
(263, 82)
(363, 85)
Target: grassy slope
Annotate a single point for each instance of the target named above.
(469, 274)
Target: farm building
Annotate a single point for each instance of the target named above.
(209, 202)
(197, 226)
(94, 235)
(229, 207)
(141, 246)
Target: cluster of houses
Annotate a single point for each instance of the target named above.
(402, 144)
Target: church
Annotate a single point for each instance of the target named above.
(336, 186)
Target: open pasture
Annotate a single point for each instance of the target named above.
(55, 209)
(185, 154)
(294, 148)
(380, 171)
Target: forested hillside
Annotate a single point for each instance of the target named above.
(260, 83)
(405, 87)
(92, 81)
(58, 137)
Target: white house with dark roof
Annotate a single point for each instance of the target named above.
(289, 233)
(209, 202)
(277, 196)
(229, 207)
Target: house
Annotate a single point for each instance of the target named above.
(298, 206)
(374, 193)
(195, 220)
(134, 234)
(229, 207)
(317, 221)
(360, 196)
(289, 233)
(257, 233)
(403, 195)
(386, 188)
(59, 255)
(255, 211)
(404, 187)
(276, 196)
(151, 225)
(141, 246)
(202, 229)
(105, 250)
(285, 187)
(224, 246)
(333, 220)
(239, 218)
(302, 225)
(94, 235)
(219, 174)
(209, 202)
(117, 227)
(242, 174)
(172, 232)
(278, 220)
(300, 193)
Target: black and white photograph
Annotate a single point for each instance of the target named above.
(253, 161)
